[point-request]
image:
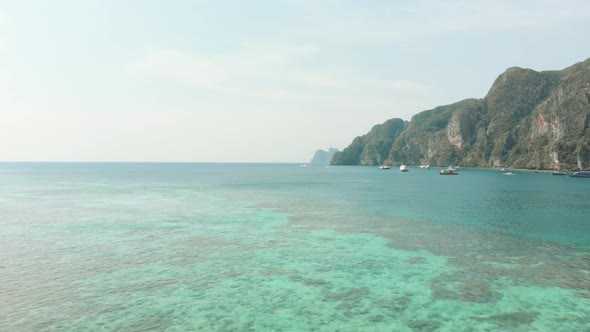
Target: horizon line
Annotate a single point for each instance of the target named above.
(148, 162)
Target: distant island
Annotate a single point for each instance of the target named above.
(528, 119)
(323, 157)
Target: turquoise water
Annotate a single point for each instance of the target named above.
(263, 247)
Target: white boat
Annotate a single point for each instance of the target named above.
(454, 169)
(509, 173)
(384, 167)
(425, 166)
(403, 168)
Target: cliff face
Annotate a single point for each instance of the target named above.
(528, 119)
(323, 157)
(372, 148)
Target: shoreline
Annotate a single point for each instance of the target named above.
(482, 168)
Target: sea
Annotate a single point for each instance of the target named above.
(282, 247)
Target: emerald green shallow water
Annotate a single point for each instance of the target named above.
(255, 247)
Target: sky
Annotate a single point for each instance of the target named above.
(253, 81)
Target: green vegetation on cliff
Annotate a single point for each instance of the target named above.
(528, 119)
(372, 148)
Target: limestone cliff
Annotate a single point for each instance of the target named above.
(323, 157)
(528, 119)
(372, 148)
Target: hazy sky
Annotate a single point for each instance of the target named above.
(253, 81)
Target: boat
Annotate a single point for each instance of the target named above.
(557, 173)
(581, 174)
(505, 170)
(454, 169)
(425, 166)
(403, 168)
(509, 173)
(448, 171)
(384, 167)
